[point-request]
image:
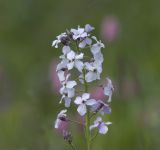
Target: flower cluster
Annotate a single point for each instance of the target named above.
(83, 69)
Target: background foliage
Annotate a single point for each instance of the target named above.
(28, 103)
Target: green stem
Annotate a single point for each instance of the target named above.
(87, 119)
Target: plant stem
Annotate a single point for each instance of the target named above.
(87, 119)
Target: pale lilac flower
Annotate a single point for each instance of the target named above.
(88, 28)
(84, 42)
(96, 48)
(60, 118)
(67, 91)
(97, 93)
(102, 126)
(94, 70)
(74, 60)
(59, 38)
(61, 69)
(65, 50)
(82, 102)
(101, 107)
(110, 28)
(108, 89)
(78, 33)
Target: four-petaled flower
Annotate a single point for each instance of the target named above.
(102, 126)
(94, 70)
(60, 117)
(75, 60)
(82, 102)
(67, 91)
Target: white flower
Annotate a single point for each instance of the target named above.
(59, 37)
(94, 71)
(74, 60)
(82, 102)
(60, 117)
(108, 89)
(102, 126)
(88, 28)
(67, 91)
(95, 48)
(79, 33)
(61, 68)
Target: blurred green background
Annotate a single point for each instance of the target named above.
(28, 102)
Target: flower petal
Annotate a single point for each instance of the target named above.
(103, 128)
(79, 65)
(71, 84)
(85, 96)
(91, 102)
(82, 109)
(78, 100)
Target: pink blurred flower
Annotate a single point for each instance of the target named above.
(54, 77)
(110, 28)
(98, 93)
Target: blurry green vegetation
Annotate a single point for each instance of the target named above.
(28, 104)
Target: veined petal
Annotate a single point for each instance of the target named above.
(82, 109)
(91, 102)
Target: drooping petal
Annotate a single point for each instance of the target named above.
(93, 126)
(67, 101)
(71, 92)
(82, 109)
(103, 128)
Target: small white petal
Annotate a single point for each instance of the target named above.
(91, 76)
(85, 96)
(93, 126)
(61, 75)
(79, 65)
(70, 65)
(80, 56)
(71, 92)
(78, 100)
(66, 49)
(82, 44)
(71, 55)
(82, 109)
(108, 123)
(57, 123)
(71, 84)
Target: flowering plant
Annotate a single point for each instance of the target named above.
(75, 44)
